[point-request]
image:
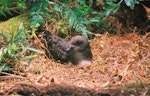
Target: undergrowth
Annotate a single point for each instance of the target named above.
(15, 48)
(70, 16)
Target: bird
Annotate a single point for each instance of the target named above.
(76, 51)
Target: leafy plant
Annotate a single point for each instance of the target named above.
(112, 6)
(12, 55)
(6, 6)
(78, 17)
(69, 15)
(38, 11)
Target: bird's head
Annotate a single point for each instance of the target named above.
(81, 53)
(79, 43)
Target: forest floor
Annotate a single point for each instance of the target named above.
(120, 67)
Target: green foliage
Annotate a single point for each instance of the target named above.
(70, 15)
(67, 18)
(112, 6)
(16, 44)
(16, 48)
(6, 6)
(77, 17)
(38, 11)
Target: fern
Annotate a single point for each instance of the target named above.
(5, 7)
(77, 23)
(79, 17)
(38, 12)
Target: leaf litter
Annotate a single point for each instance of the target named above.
(121, 66)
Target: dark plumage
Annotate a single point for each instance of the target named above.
(59, 48)
(77, 50)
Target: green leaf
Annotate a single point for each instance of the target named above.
(111, 7)
(8, 11)
(130, 3)
(28, 57)
(5, 68)
(20, 50)
(5, 36)
(35, 50)
(85, 34)
(1, 55)
(116, 8)
(82, 1)
(2, 12)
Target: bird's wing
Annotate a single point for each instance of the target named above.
(58, 47)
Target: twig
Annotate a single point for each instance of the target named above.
(9, 76)
(125, 72)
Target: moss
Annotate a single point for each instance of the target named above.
(13, 23)
(136, 85)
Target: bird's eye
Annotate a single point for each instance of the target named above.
(78, 42)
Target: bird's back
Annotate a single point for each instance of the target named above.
(59, 48)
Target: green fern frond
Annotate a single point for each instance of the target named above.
(77, 17)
